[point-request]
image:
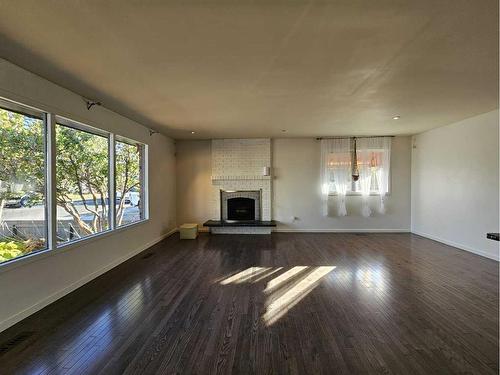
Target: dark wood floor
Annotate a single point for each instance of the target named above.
(286, 303)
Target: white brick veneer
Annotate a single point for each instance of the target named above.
(237, 164)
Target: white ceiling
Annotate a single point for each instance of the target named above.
(253, 68)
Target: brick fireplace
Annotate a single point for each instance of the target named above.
(241, 169)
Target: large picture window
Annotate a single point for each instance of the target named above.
(367, 158)
(82, 174)
(62, 181)
(23, 214)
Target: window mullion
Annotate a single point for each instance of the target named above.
(111, 183)
(51, 181)
(145, 182)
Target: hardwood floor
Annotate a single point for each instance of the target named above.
(285, 303)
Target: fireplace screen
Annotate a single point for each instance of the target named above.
(241, 209)
(241, 205)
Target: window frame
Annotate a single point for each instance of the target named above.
(72, 124)
(29, 111)
(353, 193)
(144, 178)
(50, 118)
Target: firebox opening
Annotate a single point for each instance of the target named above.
(240, 209)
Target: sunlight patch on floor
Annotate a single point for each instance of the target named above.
(267, 274)
(285, 290)
(281, 279)
(280, 306)
(244, 276)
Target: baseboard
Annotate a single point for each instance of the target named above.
(457, 245)
(61, 293)
(289, 230)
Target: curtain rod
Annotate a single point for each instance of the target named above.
(365, 136)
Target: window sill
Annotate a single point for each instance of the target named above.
(42, 254)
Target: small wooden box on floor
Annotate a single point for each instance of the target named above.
(188, 231)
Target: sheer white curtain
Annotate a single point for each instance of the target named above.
(335, 172)
(365, 173)
(383, 171)
(374, 154)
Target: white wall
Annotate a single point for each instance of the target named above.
(296, 191)
(194, 186)
(32, 285)
(455, 184)
(296, 188)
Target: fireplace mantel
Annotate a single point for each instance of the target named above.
(241, 177)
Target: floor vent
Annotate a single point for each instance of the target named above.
(13, 342)
(148, 255)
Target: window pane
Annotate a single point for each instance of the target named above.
(23, 224)
(82, 171)
(129, 189)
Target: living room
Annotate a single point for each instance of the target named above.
(250, 187)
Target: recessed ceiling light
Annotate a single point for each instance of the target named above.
(396, 117)
(192, 132)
